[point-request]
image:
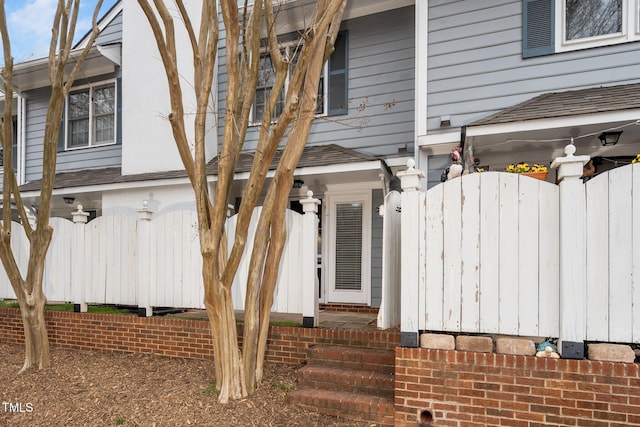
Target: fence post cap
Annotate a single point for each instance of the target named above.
(144, 212)
(570, 166)
(80, 216)
(410, 178)
(309, 203)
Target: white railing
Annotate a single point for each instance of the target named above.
(508, 254)
(153, 260)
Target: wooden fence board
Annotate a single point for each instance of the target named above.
(508, 255)
(620, 255)
(434, 254)
(489, 254)
(635, 251)
(549, 261)
(452, 234)
(528, 250)
(470, 254)
(597, 257)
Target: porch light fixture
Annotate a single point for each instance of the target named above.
(68, 200)
(610, 138)
(297, 183)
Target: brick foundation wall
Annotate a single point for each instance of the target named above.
(178, 337)
(479, 389)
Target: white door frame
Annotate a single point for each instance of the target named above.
(332, 295)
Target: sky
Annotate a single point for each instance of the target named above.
(30, 23)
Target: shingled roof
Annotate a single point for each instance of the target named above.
(321, 155)
(569, 103)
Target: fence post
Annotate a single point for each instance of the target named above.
(144, 260)
(409, 263)
(573, 254)
(309, 261)
(78, 270)
(389, 313)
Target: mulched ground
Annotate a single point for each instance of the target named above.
(91, 388)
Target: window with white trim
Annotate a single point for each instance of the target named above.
(332, 97)
(551, 26)
(91, 116)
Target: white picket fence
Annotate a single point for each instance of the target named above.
(153, 260)
(501, 253)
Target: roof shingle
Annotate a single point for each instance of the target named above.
(320, 155)
(569, 103)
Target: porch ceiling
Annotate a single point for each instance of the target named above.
(549, 121)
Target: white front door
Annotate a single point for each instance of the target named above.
(349, 251)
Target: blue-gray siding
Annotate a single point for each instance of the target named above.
(112, 33)
(377, 199)
(89, 158)
(381, 79)
(97, 157)
(475, 65)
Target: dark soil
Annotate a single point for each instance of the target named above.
(91, 388)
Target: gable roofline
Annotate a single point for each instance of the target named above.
(103, 22)
(34, 73)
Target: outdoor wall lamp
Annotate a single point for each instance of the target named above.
(68, 200)
(610, 138)
(297, 183)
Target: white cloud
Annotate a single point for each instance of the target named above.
(30, 23)
(30, 28)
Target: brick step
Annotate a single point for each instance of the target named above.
(354, 358)
(351, 406)
(348, 380)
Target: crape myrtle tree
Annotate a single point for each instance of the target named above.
(64, 65)
(250, 36)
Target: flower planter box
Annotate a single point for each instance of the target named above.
(542, 176)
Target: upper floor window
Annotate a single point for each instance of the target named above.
(586, 19)
(551, 26)
(91, 116)
(332, 88)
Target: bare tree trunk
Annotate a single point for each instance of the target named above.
(28, 290)
(230, 380)
(237, 374)
(271, 233)
(36, 340)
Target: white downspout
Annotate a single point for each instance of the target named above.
(21, 136)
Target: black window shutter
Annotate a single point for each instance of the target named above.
(538, 25)
(338, 76)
